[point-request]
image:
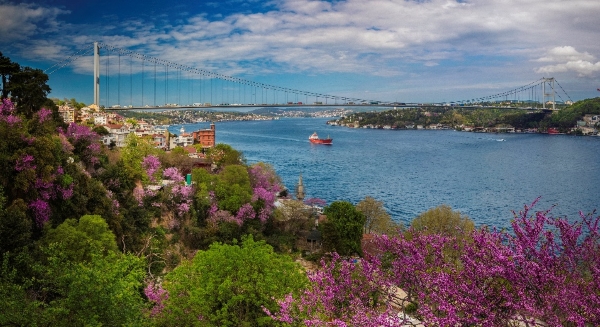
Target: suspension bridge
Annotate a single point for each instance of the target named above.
(131, 80)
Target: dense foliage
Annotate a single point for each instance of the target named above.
(547, 271)
(229, 285)
(343, 228)
(455, 117)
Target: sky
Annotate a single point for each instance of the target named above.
(387, 50)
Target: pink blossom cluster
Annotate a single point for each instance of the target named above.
(44, 114)
(8, 113)
(246, 212)
(172, 173)
(115, 203)
(77, 132)
(28, 139)
(342, 293)
(151, 164)
(267, 198)
(223, 216)
(213, 204)
(138, 193)
(179, 197)
(41, 211)
(7, 108)
(85, 140)
(182, 196)
(67, 147)
(264, 178)
(546, 271)
(157, 295)
(25, 162)
(49, 188)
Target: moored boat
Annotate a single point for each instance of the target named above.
(314, 138)
(553, 131)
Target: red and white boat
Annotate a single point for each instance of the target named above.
(553, 131)
(314, 139)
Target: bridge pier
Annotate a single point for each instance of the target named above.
(551, 95)
(96, 74)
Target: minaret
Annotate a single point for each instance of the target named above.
(300, 189)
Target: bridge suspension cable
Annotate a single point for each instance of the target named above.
(67, 61)
(227, 78)
(530, 90)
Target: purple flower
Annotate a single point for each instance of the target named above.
(25, 162)
(43, 114)
(246, 212)
(79, 132)
(65, 193)
(158, 295)
(41, 211)
(13, 120)
(7, 108)
(173, 174)
(151, 165)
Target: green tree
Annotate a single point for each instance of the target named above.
(15, 226)
(443, 220)
(102, 291)
(233, 188)
(80, 239)
(7, 69)
(342, 231)
(28, 90)
(136, 148)
(377, 220)
(228, 285)
(223, 155)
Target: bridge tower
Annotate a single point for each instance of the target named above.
(551, 95)
(96, 74)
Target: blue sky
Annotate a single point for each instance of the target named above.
(390, 50)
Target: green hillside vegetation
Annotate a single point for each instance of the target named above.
(455, 117)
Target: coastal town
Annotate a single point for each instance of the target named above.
(573, 120)
(154, 125)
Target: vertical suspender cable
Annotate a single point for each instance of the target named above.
(155, 83)
(119, 81)
(107, 79)
(130, 82)
(143, 62)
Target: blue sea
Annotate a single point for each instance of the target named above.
(485, 176)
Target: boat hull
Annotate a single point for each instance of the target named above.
(319, 141)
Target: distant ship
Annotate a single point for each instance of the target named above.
(314, 138)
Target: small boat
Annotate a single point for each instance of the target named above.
(314, 139)
(553, 131)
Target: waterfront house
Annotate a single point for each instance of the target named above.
(205, 137)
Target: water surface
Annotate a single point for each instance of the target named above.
(485, 176)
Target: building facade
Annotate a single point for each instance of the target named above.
(205, 137)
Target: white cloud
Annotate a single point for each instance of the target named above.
(394, 31)
(568, 59)
(581, 67)
(20, 21)
(565, 53)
